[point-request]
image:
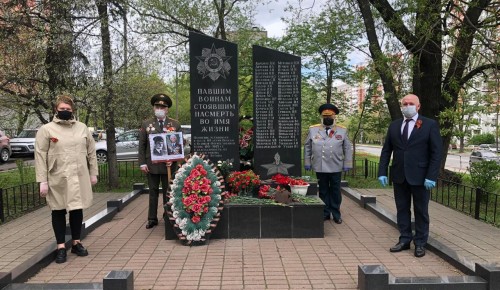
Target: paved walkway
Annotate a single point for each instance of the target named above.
(22, 238)
(471, 239)
(327, 263)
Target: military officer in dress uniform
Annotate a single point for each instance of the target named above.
(328, 152)
(156, 171)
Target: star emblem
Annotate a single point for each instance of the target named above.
(213, 63)
(277, 166)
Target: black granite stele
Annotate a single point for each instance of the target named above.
(213, 71)
(277, 112)
(296, 220)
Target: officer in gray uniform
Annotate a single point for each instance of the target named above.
(328, 152)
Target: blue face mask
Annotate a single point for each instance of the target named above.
(409, 111)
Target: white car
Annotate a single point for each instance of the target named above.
(127, 147)
(24, 143)
(488, 147)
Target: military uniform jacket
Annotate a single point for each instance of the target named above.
(151, 126)
(327, 153)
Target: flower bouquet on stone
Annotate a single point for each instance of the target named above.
(285, 180)
(195, 200)
(243, 182)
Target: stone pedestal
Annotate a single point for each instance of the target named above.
(296, 220)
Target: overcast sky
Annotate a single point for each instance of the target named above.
(269, 15)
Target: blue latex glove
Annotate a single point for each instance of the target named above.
(307, 167)
(347, 168)
(429, 184)
(383, 180)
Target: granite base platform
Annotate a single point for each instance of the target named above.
(295, 220)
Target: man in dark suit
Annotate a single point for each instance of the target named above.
(416, 146)
(156, 171)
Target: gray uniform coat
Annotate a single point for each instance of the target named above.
(65, 158)
(327, 153)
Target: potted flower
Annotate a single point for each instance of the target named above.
(243, 182)
(297, 185)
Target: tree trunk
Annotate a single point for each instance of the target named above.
(102, 8)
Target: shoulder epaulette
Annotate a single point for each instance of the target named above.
(340, 126)
(315, 125)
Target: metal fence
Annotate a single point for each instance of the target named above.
(20, 199)
(17, 200)
(472, 201)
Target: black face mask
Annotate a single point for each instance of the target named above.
(64, 115)
(327, 121)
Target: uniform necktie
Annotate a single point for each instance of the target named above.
(326, 130)
(405, 131)
(161, 123)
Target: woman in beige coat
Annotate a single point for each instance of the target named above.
(66, 167)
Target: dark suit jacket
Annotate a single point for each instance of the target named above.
(416, 161)
(145, 151)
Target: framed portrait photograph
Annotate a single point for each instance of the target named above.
(166, 146)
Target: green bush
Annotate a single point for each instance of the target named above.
(485, 175)
(482, 139)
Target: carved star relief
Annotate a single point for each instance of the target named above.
(213, 63)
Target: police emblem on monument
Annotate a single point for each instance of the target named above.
(213, 63)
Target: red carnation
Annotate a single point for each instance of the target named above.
(196, 219)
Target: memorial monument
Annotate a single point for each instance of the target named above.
(214, 97)
(277, 113)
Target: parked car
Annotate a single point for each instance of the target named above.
(5, 150)
(127, 147)
(24, 143)
(488, 147)
(482, 155)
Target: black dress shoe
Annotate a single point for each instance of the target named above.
(61, 255)
(338, 221)
(79, 249)
(400, 247)
(151, 224)
(419, 251)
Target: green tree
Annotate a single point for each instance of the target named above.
(439, 36)
(324, 41)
